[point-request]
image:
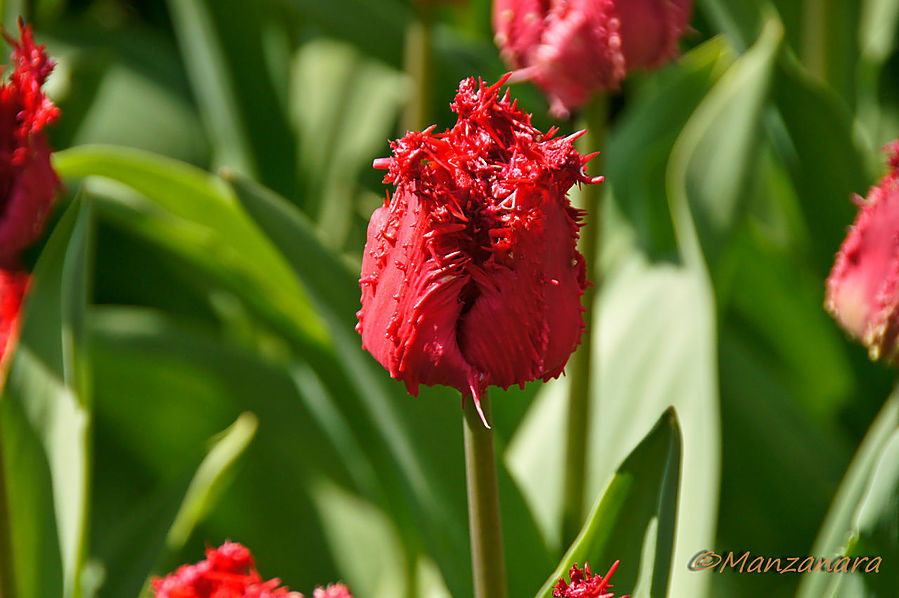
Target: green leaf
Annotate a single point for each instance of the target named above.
(864, 507)
(213, 84)
(822, 157)
(237, 58)
(377, 29)
(46, 417)
(207, 484)
(714, 158)
(195, 215)
(350, 104)
(641, 141)
(634, 517)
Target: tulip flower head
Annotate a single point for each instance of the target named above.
(863, 286)
(28, 183)
(333, 591)
(227, 572)
(573, 48)
(585, 585)
(12, 289)
(470, 275)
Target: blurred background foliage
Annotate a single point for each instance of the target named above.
(204, 266)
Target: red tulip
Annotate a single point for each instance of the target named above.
(585, 585)
(470, 275)
(28, 183)
(863, 287)
(12, 289)
(573, 48)
(333, 591)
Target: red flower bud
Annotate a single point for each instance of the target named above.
(585, 585)
(27, 181)
(470, 275)
(12, 289)
(573, 48)
(863, 287)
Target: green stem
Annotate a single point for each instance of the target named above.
(7, 581)
(418, 66)
(487, 559)
(579, 370)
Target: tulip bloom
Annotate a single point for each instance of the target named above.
(585, 585)
(229, 572)
(12, 289)
(471, 275)
(863, 287)
(573, 48)
(28, 183)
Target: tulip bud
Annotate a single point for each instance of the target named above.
(28, 183)
(863, 287)
(471, 276)
(573, 48)
(584, 584)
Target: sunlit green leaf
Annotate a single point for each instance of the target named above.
(634, 515)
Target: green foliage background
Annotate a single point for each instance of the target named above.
(188, 370)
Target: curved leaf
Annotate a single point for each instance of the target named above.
(634, 517)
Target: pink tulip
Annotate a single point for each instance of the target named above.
(574, 48)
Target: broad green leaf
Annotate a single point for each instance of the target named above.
(714, 157)
(46, 417)
(877, 523)
(641, 141)
(858, 501)
(633, 519)
(348, 109)
(195, 215)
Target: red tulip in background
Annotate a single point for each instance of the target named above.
(585, 585)
(28, 183)
(470, 275)
(12, 288)
(573, 48)
(229, 572)
(863, 287)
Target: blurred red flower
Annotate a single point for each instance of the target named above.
(471, 275)
(13, 284)
(585, 585)
(573, 48)
(333, 591)
(229, 572)
(863, 286)
(28, 183)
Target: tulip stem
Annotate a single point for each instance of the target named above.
(488, 564)
(418, 66)
(7, 584)
(594, 118)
